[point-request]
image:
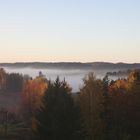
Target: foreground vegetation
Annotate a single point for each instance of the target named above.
(102, 110)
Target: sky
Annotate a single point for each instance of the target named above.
(70, 31)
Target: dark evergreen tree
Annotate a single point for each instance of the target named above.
(106, 114)
(59, 117)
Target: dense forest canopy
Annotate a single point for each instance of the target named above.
(103, 109)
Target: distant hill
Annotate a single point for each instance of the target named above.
(72, 65)
(106, 65)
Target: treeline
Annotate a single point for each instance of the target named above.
(121, 73)
(102, 110)
(12, 82)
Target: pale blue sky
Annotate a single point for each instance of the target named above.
(70, 30)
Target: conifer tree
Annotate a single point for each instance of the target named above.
(58, 118)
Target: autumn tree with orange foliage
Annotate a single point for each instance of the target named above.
(31, 98)
(125, 103)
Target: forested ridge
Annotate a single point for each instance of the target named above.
(71, 65)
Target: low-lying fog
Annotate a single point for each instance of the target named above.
(73, 77)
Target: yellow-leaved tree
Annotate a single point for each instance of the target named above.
(91, 102)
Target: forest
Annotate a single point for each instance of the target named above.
(103, 109)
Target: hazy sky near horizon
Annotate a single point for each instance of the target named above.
(70, 30)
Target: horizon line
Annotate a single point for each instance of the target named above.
(70, 62)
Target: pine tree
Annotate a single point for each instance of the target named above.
(58, 118)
